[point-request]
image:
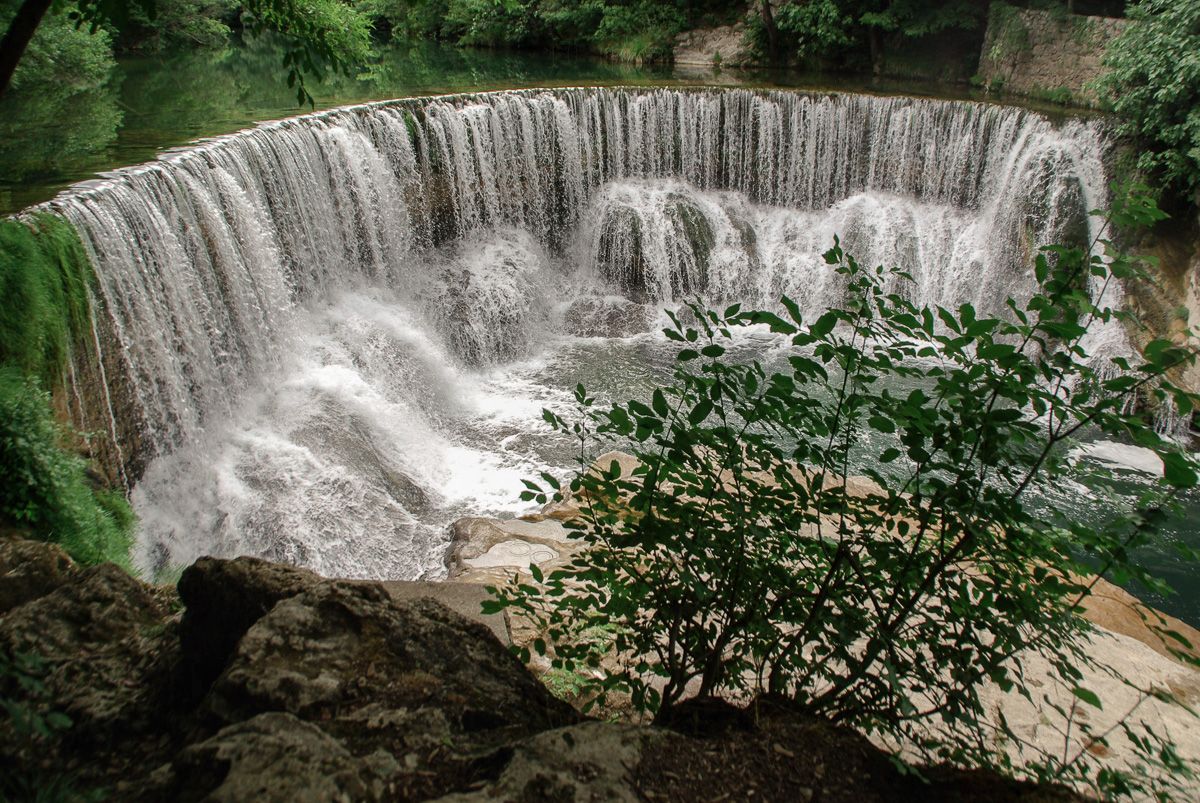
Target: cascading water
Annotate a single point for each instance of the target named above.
(335, 333)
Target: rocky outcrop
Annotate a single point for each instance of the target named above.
(334, 690)
(224, 598)
(30, 570)
(309, 689)
(1044, 54)
(273, 758)
(489, 550)
(722, 46)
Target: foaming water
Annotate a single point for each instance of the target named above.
(332, 335)
(365, 443)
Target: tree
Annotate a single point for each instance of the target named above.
(743, 555)
(1153, 84)
(820, 27)
(320, 35)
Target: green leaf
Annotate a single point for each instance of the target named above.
(882, 424)
(700, 412)
(777, 324)
(659, 402)
(824, 325)
(1178, 470)
(1088, 697)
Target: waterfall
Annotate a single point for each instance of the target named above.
(240, 276)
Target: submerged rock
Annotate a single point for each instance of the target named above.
(608, 317)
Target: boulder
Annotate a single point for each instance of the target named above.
(101, 606)
(107, 647)
(30, 570)
(585, 762)
(490, 550)
(224, 598)
(410, 677)
(271, 758)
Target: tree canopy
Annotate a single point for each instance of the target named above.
(1154, 86)
(319, 35)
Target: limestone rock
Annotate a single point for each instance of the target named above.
(31, 569)
(102, 606)
(272, 758)
(569, 507)
(1126, 670)
(488, 550)
(342, 647)
(585, 762)
(224, 598)
(1030, 51)
(723, 46)
(108, 648)
(1116, 610)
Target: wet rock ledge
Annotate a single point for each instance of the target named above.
(255, 681)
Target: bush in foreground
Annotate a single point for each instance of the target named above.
(744, 556)
(45, 490)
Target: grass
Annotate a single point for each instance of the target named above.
(44, 277)
(45, 492)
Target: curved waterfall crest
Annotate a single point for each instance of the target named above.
(218, 263)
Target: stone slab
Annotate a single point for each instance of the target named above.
(462, 598)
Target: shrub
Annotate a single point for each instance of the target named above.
(744, 556)
(30, 724)
(44, 489)
(1153, 84)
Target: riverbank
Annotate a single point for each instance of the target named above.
(261, 681)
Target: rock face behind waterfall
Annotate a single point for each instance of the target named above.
(274, 684)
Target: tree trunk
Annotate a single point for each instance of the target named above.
(20, 31)
(875, 39)
(768, 18)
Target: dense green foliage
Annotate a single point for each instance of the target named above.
(846, 29)
(44, 276)
(319, 35)
(44, 489)
(1154, 85)
(743, 556)
(631, 29)
(28, 725)
(61, 55)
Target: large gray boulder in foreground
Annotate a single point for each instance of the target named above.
(262, 682)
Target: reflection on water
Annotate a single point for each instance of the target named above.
(49, 140)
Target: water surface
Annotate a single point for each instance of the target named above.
(49, 140)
